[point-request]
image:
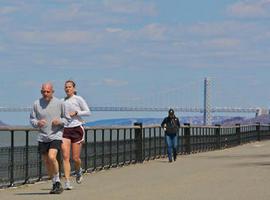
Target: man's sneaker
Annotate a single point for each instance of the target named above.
(57, 188)
(79, 176)
(68, 186)
(53, 189)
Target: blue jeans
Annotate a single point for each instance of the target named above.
(172, 143)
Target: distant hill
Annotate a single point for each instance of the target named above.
(124, 122)
(233, 121)
(195, 120)
(2, 123)
(263, 119)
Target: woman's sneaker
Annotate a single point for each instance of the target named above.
(68, 186)
(79, 176)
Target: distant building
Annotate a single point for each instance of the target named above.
(262, 111)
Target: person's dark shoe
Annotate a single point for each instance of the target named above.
(57, 188)
(53, 189)
(174, 155)
(170, 160)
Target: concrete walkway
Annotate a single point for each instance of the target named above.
(240, 173)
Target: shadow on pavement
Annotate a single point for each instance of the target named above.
(32, 193)
(237, 156)
(250, 164)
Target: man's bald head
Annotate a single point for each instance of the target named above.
(47, 91)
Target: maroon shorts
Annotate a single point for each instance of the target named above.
(75, 134)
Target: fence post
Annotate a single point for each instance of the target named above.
(187, 138)
(139, 142)
(258, 130)
(95, 150)
(238, 133)
(218, 137)
(39, 166)
(85, 150)
(11, 164)
(268, 132)
(26, 179)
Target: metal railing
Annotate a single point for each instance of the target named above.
(106, 147)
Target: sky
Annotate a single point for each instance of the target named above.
(135, 53)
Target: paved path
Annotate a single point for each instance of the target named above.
(240, 173)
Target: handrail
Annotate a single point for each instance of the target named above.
(29, 128)
(112, 146)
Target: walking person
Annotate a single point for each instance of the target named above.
(73, 135)
(48, 115)
(171, 126)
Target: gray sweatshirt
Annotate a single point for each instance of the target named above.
(54, 109)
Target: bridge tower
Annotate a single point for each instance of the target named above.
(207, 105)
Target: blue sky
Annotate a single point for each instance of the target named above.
(126, 52)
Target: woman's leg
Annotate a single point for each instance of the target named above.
(76, 153)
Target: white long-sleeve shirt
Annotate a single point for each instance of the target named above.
(78, 104)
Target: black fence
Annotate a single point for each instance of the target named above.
(20, 161)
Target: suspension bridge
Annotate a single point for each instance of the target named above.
(147, 109)
(207, 108)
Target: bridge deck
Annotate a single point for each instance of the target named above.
(237, 173)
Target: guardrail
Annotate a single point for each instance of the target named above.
(106, 147)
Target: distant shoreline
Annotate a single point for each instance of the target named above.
(195, 120)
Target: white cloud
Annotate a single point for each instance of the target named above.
(65, 13)
(151, 46)
(94, 35)
(223, 43)
(154, 31)
(263, 36)
(29, 84)
(250, 9)
(99, 12)
(5, 10)
(2, 47)
(114, 82)
(131, 7)
(223, 28)
(113, 30)
(59, 37)
(149, 32)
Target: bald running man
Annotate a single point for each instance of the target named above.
(49, 116)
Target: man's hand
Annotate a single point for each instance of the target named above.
(56, 122)
(41, 123)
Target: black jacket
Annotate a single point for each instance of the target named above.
(171, 125)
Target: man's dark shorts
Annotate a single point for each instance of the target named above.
(44, 147)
